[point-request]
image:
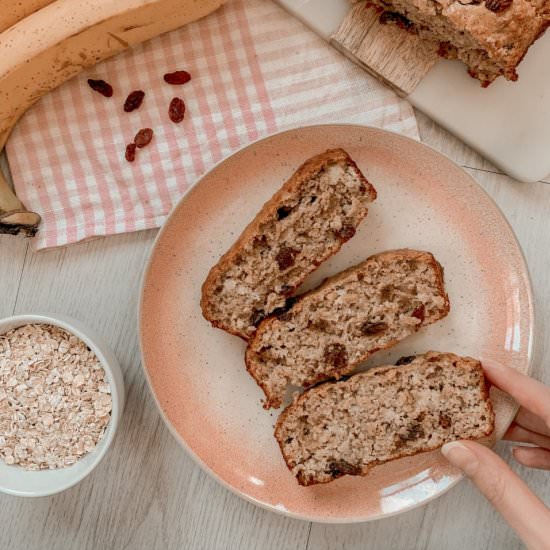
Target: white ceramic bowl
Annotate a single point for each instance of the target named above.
(17, 481)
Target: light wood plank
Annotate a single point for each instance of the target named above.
(147, 493)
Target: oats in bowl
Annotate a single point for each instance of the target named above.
(55, 401)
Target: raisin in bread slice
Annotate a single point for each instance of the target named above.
(490, 36)
(305, 222)
(332, 329)
(347, 427)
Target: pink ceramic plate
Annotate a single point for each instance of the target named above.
(197, 373)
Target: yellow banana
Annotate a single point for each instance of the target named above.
(42, 51)
(15, 10)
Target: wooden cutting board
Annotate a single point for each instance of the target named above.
(508, 123)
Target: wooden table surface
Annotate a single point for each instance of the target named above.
(147, 493)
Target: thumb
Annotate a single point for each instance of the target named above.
(521, 508)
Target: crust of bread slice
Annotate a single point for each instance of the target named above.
(388, 374)
(307, 171)
(251, 357)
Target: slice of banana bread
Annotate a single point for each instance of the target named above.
(332, 329)
(347, 427)
(305, 222)
(490, 36)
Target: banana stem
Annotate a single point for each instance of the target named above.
(14, 217)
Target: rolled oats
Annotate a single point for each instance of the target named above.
(55, 401)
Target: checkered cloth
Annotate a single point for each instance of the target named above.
(256, 70)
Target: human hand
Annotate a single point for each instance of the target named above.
(519, 506)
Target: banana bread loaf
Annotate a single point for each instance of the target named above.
(490, 36)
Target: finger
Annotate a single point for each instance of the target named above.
(503, 488)
(532, 457)
(529, 393)
(521, 435)
(532, 422)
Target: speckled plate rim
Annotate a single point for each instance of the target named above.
(322, 519)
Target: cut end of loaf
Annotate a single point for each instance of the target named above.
(490, 36)
(332, 329)
(348, 427)
(304, 223)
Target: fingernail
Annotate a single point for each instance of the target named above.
(460, 456)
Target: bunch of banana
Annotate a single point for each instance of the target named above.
(56, 41)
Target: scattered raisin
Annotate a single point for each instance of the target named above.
(257, 317)
(405, 360)
(338, 468)
(285, 257)
(177, 77)
(130, 154)
(143, 137)
(420, 313)
(313, 199)
(285, 289)
(445, 421)
(133, 101)
(289, 440)
(176, 111)
(498, 6)
(100, 86)
(283, 212)
(346, 232)
(362, 189)
(336, 355)
(368, 329)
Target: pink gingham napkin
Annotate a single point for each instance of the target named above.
(256, 70)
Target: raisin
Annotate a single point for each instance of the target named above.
(386, 293)
(177, 77)
(313, 199)
(362, 189)
(498, 6)
(260, 241)
(414, 431)
(405, 360)
(285, 257)
(130, 154)
(420, 313)
(100, 86)
(143, 137)
(368, 329)
(283, 212)
(445, 421)
(397, 19)
(257, 317)
(446, 50)
(346, 232)
(336, 356)
(176, 111)
(289, 440)
(338, 468)
(285, 289)
(133, 101)
(319, 324)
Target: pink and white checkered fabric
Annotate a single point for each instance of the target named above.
(256, 70)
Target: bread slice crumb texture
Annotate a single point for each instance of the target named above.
(303, 224)
(332, 329)
(347, 427)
